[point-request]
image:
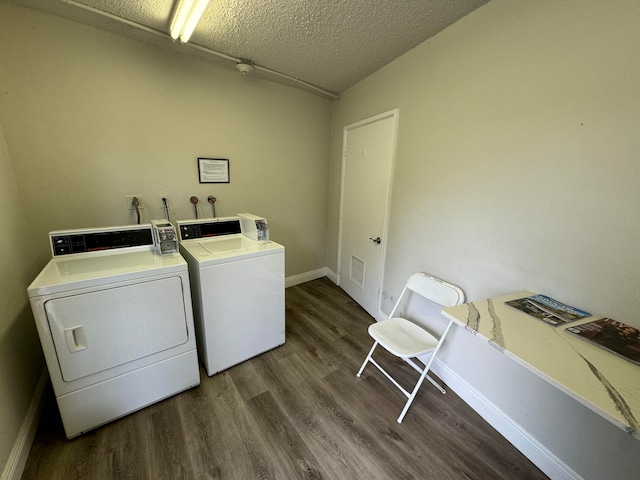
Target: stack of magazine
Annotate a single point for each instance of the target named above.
(616, 337)
(611, 335)
(548, 309)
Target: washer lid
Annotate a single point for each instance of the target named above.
(73, 272)
(227, 248)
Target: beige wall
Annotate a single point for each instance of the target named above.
(518, 154)
(518, 168)
(91, 117)
(21, 360)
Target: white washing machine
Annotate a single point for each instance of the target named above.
(115, 322)
(237, 289)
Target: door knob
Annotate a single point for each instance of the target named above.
(375, 240)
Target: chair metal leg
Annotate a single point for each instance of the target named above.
(420, 370)
(375, 344)
(412, 396)
(424, 373)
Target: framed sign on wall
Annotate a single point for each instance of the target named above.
(213, 170)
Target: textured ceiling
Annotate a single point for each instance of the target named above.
(330, 44)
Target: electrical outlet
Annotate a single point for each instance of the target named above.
(129, 199)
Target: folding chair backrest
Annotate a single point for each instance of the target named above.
(435, 290)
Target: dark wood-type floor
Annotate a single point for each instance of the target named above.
(296, 412)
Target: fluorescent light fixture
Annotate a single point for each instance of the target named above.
(186, 18)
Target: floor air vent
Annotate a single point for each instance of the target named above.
(357, 271)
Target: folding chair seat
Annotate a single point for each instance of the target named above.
(406, 340)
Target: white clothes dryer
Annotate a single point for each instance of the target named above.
(238, 291)
(115, 322)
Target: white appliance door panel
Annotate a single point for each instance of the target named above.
(96, 331)
(87, 408)
(243, 309)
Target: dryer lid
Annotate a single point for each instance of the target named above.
(83, 271)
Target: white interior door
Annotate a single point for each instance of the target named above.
(367, 165)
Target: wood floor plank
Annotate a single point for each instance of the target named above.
(342, 428)
(164, 447)
(118, 453)
(415, 455)
(286, 448)
(377, 404)
(240, 453)
(204, 445)
(295, 412)
(248, 381)
(293, 389)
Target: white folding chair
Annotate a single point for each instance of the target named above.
(407, 340)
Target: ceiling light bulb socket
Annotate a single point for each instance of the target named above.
(245, 65)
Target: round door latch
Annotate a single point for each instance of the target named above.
(375, 240)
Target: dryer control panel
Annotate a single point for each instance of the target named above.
(66, 242)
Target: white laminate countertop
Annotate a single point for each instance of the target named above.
(607, 384)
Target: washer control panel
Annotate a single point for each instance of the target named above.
(208, 228)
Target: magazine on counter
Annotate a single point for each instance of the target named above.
(548, 309)
(616, 337)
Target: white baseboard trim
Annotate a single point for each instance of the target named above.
(304, 277)
(333, 276)
(539, 455)
(14, 467)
